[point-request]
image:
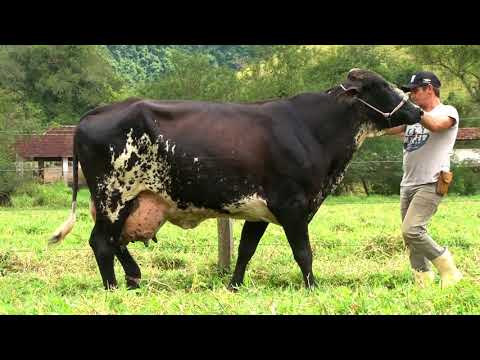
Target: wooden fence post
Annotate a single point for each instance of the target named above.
(65, 170)
(41, 170)
(225, 242)
(19, 165)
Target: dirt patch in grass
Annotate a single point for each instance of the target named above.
(381, 246)
(168, 262)
(10, 263)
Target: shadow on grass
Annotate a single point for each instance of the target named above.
(69, 286)
(210, 278)
(294, 280)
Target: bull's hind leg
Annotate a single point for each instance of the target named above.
(131, 268)
(104, 241)
(252, 232)
(104, 253)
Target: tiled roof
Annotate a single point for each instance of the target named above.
(56, 142)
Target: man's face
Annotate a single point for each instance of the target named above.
(421, 95)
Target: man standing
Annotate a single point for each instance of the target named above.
(428, 146)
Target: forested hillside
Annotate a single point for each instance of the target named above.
(148, 62)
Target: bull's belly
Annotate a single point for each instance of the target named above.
(152, 211)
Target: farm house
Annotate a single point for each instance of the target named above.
(48, 155)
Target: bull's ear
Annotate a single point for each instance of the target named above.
(356, 74)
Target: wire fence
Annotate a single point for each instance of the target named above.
(66, 134)
(15, 168)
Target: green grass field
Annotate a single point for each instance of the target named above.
(359, 261)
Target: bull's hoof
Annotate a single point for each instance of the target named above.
(233, 287)
(132, 282)
(111, 287)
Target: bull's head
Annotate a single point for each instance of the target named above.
(384, 104)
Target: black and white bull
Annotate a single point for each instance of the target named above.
(147, 162)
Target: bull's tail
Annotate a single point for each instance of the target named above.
(67, 226)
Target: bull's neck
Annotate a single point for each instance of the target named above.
(336, 124)
(339, 130)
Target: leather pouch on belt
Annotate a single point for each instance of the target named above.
(444, 180)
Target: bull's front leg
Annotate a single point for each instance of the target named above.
(293, 216)
(251, 235)
(297, 235)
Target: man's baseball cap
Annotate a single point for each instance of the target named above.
(422, 78)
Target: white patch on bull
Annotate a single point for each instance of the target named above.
(251, 208)
(150, 172)
(173, 149)
(166, 146)
(365, 130)
(195, 160)
(339, 178)
(190, 217)
(127, 185)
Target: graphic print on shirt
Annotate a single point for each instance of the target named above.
(415, 137)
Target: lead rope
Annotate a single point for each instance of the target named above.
(385, 115)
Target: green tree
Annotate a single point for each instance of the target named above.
(460, 62)
(64, 80)
(334, 64)
(16, 117)
(278, 71)
(192, 77)
(142, 63)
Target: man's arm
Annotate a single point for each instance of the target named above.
(437, 123)
(395, 130)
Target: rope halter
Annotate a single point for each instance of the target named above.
(385, 115)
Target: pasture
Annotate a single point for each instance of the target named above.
(359, 261)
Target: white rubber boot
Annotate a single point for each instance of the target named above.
(449, 274)
(424, 279)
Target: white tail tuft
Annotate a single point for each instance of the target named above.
(65, 228)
